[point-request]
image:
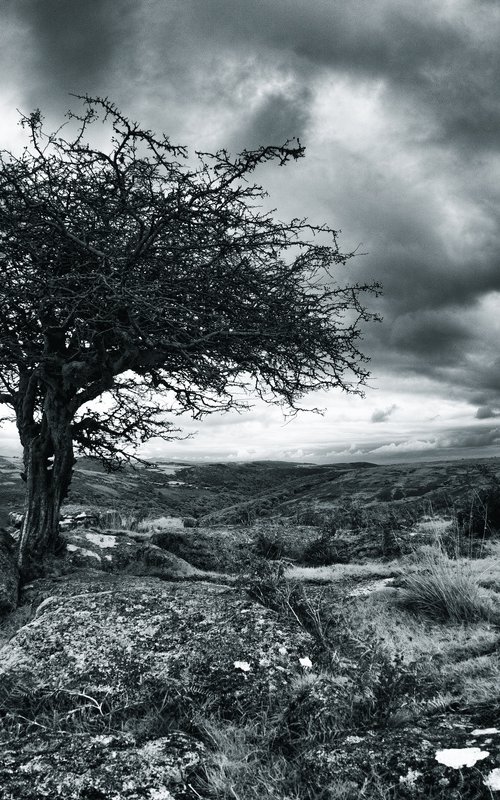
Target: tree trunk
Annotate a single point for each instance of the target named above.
(48, 463)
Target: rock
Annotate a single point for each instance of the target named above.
(116, 652)
(406, 759)
(104, 766)
(135, 641)
(93, 548)
(83, 519)
(9, 575)
(208, 549)
(152, 560)
(110, 552)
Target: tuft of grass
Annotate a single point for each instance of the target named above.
(446, 590)
(242, 764)
(150, 525)
(343, 572)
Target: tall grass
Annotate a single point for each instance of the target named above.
(444, 589)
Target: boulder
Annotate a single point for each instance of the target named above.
(104, 766)
(221, 549)
(90, 547)
(9, 575)
(102, 685)
(111, 552)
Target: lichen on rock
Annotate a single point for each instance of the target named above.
(104, 767)
(131, 658)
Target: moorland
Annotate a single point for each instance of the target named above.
(258, 630)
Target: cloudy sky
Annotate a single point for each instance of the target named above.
(398, 105)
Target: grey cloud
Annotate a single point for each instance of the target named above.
(378, 38)
(474, 439)
(259, 65)
(485, 412)
(72, 46)
(280, 116)
(479, 399)
(380, 415)
(448, 64)
(449, 443)
(435, 335)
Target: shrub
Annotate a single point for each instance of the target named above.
(242, 763)
(113, 519)
(163, 523)
(308, 516)
(479, 516)
(269, 543)
(324, 550)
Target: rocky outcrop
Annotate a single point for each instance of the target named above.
(116, 652)
(9, 576)
(104, 766)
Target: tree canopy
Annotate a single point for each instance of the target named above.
(128, 272)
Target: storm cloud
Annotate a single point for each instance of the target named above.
(398, 106)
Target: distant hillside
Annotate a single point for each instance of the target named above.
(229, 492)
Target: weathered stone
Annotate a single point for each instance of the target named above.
(406, 759)
(9, 575)
(115, 652)
(152, 560)
(140, 638)
(208, 549)
(115, 551)
(104, 766)
(93, 548)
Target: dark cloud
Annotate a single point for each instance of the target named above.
(435, 335)
(479, 399)
(485, 412)
(378, 38)
(446, 62)
(72, 46)
(281, 115)
(443, 66)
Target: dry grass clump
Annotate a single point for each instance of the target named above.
(342, 572)
(243, 765)
(446, 590)
(159, 524)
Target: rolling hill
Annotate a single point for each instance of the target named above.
(238, 492)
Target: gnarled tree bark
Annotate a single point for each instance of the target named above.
(48, 464)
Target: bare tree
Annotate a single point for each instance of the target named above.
(126, 272)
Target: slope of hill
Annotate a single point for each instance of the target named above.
(236, 492)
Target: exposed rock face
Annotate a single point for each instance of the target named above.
(115, 652)
(9, 576)
(102, 766)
